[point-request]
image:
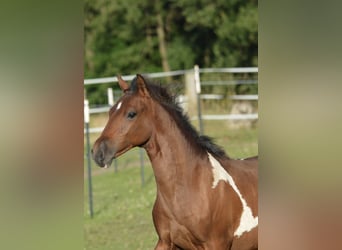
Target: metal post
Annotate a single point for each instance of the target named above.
(115, 165)
(90, 189)
(141, 153)
(110, 97)
(198, 92)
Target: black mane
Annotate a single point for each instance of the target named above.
(202, 144)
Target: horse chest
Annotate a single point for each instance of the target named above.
(184, 232)
(183, 219)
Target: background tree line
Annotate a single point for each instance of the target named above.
(130, 36)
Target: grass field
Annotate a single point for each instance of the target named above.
(123, 208)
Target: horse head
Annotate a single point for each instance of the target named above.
(128, 125)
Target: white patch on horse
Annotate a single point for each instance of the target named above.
(119, 106)
(247, 221)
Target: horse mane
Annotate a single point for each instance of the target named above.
(201, 143)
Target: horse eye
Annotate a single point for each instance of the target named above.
(131, 115)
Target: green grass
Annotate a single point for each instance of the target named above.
(122, 211)
(123, 208)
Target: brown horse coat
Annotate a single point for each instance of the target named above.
(205, 200)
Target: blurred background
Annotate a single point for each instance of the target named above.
(44, 62)
(164, 40)
(129, 37)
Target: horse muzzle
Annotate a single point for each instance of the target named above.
(101, 154)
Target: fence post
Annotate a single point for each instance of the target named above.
(110, 97)
(190, 93)
(198, 93)
(142, 171)
(90, 189)
(115, 165)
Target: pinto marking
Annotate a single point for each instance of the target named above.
(247, 221)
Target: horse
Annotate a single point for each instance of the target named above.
(205, 199)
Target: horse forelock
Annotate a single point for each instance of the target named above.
(162, 95)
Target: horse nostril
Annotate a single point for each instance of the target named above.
(101, 155)
(99, 152)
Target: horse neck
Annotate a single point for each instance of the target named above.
(172, 158)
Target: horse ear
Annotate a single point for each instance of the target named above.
(141, 83)
(122, 83)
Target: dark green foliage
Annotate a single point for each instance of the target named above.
(121, 36)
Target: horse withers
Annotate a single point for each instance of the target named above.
(205, 199)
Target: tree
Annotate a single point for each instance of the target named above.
(129, 36)
(225, 33)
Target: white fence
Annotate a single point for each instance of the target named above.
(172, 73)
(253, 116)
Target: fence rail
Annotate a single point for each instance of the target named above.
(130, 77)
(172, 73)
(244, 97)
